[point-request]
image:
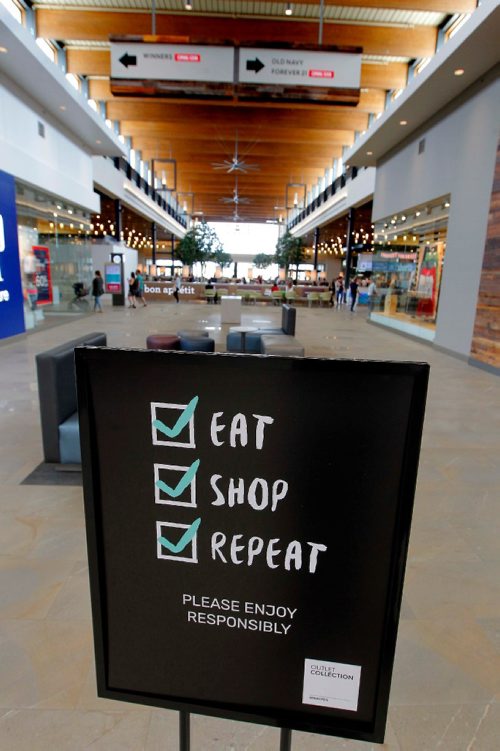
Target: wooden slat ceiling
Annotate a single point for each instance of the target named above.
(289, 143)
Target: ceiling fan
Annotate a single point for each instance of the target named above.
(235, 164)
(235, 198)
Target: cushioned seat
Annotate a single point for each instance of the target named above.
(281, 345)
(163, 341)
(189, 333)
(69, 441)
(252, 339)
(58, 400)
(197, 344)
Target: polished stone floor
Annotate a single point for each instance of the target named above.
(446, 685)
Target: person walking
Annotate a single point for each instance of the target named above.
(353, 287)
(339, 291)
(371, 291)
(132, 290)
(331, 289)
(140, 288)
(177, 286)
(97, 291)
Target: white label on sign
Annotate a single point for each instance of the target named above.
(331, 684)
(336, 70)
(172, 62)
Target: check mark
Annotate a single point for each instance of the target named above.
(185, 539)
(185, 480)
(181, 422)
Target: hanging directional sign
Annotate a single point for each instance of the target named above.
(172, 62)
(300, 68)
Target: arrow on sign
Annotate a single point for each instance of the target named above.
(255, 65)
(127, 60)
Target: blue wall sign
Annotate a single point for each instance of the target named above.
(11, 291)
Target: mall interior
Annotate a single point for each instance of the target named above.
(390, 177)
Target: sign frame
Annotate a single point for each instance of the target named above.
(91, 362)
(113, 269)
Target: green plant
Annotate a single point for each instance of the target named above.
(289, 250)
(221, 257)
(263, 260)
(199, 245)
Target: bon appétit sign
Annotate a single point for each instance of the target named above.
(244, 561)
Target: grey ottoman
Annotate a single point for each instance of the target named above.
(281, 345)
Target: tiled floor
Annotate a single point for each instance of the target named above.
(446, 685)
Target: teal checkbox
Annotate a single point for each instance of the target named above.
(171, 546)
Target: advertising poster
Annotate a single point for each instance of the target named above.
(229, 574)
(42, 276)
(11, 292)
(113, 278)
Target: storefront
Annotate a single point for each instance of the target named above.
(54, 253)
(407, 268)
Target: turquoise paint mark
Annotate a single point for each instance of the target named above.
(185, 539)
(181, 422)
(185, 480)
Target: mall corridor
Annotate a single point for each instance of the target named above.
(446, 682)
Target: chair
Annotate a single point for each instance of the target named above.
(58, 399)
(290, 296)
(312, 297)
(210, 295)
(324, 297)
(277, 297)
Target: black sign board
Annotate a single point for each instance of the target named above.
(248, 521)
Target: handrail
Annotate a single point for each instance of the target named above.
(124, 166)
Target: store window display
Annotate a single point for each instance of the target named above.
(54, 253)
(407, 267)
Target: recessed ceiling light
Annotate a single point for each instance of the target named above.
(62, 107)
(97, 141)
(3, 49)
(403, 122)
(369, 153)
(458, 72)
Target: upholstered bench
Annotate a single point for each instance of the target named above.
(163, 341)
(58, 400)
(281, 345)
(69, 441)
(253, 339)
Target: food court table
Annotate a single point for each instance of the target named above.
(243, 331)
(230, 309)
